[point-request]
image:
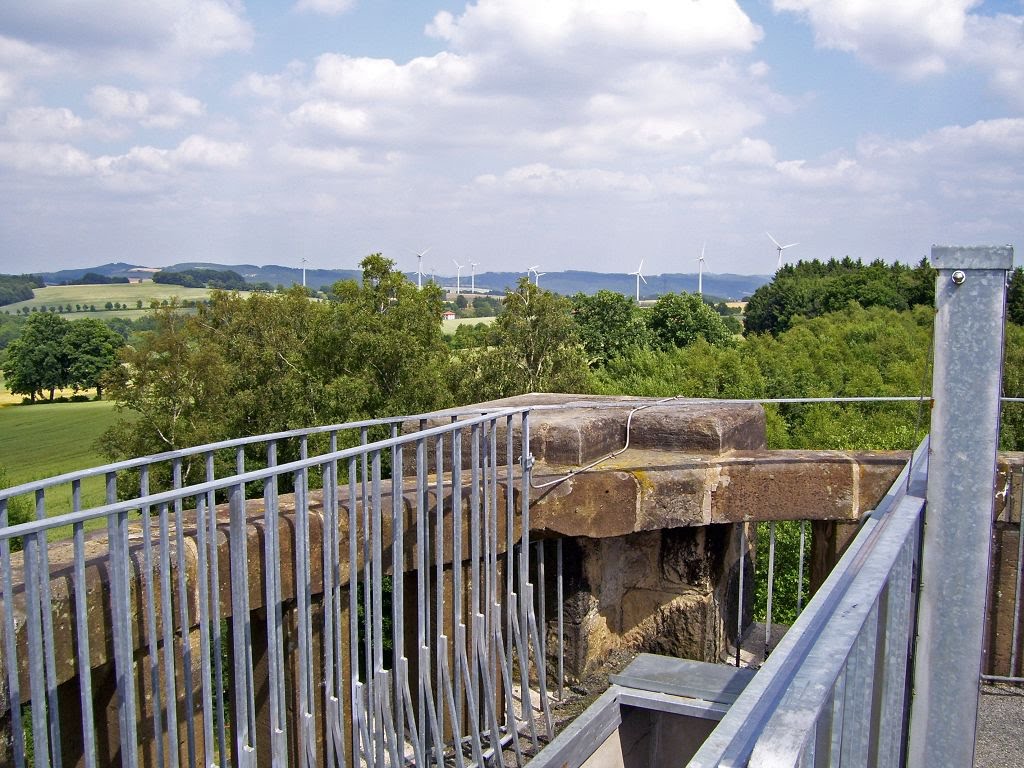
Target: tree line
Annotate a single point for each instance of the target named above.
(15, 288)
(264, 363)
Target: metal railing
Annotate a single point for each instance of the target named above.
(835, 687)
(382, 619)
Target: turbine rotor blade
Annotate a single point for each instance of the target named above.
(774, 240)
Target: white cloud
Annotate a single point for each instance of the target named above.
(162, 109)
(914, 37)
(326, 7)
(918, 38)
(569, 28)
(331, 116)
(153, 40)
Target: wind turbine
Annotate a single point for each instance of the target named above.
(700, 271)
(472, 276)
(458, 277)
(639, 277)
(532, 269)
(537, 276)
(303, 271)
(419, 266)
(779, 248)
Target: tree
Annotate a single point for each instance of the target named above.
(679, 319)
(537, 349)
(91, 349)
(609, 324)
(37, 360)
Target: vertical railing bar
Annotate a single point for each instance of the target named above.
(303, 598)
(524, 542)
(384, 706)
(436, 737)
(1017, 588)
(377, 610)
(771, 589)
(335, 558)
(422, 564)
(10, 643)
(397, 586)
(361, 739)
(739, 598)
(328, 562)
(49, 657)
(458, 609)
(899, 599)
(505, 667)
(274, 611)
(475, 556)
(449, 697)
(82, 643)
(184, 619)
(490, 572)
(216, 636)
(484, 662)
(419, 755)
(40, 739)
(117, 543)
(838, 718)
(355, 687)
(510, 511)
(541, 664)
(149, 598)
(368, 628)
(800, 572)
(472, 701)
(170, 697)
(239, 618)
(247, 678)
(205, 662)
(526, 702)
(439, 566)
(541, 589)
(859, 692)
(560, 597)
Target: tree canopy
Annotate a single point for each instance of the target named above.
(814, 288)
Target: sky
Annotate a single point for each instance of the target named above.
(570, 134)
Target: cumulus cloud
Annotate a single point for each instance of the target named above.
(542, 28)
(918, 38)
(156, 109)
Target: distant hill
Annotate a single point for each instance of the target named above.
(716, 286)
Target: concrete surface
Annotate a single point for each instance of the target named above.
(999, 740)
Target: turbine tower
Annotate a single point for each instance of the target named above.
(303, 271)
(700, 271)
(458, 277)
(639, 277)
(532, 270)
(419, 267)
(537, 276)
(779, 248)
(472, 276)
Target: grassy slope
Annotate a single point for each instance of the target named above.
(99, 295)
(40, 441)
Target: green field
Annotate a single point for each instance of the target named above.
(39, 441)
(449, 326)
(98, 295)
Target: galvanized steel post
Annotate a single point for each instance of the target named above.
(969, 328)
